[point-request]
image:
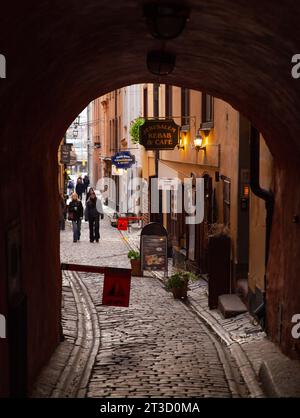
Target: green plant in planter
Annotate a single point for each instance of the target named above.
(135, 261)
(133, 255)
(135, 130)
(178, 283)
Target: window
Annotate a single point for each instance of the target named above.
(185, 106)
(226, 201)
(155, 100)
(168, 102)
(207, 110)
(145, 102)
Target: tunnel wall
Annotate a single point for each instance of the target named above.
(283, 284)
(60, 58)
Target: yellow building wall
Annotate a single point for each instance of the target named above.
(257, 237)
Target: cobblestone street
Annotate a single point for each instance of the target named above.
(155, 348)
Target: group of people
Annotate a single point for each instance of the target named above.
(81, 186)
(92, 213)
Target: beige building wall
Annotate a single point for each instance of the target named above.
(226, 133)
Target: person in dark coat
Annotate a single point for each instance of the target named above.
(79, 188)
(86, 182)
(91, 190)
(75, 214)
(93, 211)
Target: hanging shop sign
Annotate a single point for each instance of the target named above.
(116, 171)
(65, 153)
(123, 159)
(116, 288)
(159, 134)
(154, 246)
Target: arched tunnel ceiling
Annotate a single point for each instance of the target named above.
(62, 54)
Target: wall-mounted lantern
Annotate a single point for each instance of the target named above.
(181, 143)
(198, 142)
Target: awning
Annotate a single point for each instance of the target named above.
(171, 169)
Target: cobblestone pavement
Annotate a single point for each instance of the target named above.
(245, 339)
(155, 348)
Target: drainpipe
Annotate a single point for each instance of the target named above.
(268, 197)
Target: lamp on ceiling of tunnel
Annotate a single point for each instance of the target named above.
(166, 20)
(160, 62)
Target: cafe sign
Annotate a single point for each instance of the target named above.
(159, 134)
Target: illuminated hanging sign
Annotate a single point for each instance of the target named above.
(123, 159)
(159, 134)
(116, 171)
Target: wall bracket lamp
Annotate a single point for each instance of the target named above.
(198, 142)
(180, 145)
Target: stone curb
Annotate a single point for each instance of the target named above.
(74, 378)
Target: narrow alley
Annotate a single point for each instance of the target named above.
(155, 348)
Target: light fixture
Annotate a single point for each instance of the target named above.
(198, 142)
(165, 21)
(160, 62)
(180, 145)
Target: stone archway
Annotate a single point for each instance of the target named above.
(60, 56)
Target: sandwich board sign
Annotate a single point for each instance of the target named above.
(154, 246)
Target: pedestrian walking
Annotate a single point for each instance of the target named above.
(75, 214)
(70, 186)
(88, 194)
(93, 212)
(79, 188)
(86, 182)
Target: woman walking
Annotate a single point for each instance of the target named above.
(75, 214)
(88, 193)
(93, 211)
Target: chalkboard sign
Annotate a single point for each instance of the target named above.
(154, 248)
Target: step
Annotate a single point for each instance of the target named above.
(231, 305)
(280, 377)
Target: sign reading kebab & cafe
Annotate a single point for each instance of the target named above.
(159, 134)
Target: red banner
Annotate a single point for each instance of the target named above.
(116, 289)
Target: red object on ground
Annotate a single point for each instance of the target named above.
(122, 224)
(116, 289)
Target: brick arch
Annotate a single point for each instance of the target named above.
(60, 55)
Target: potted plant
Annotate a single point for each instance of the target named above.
(135, 261)
(178, 283)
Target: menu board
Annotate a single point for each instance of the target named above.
(154, 252)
